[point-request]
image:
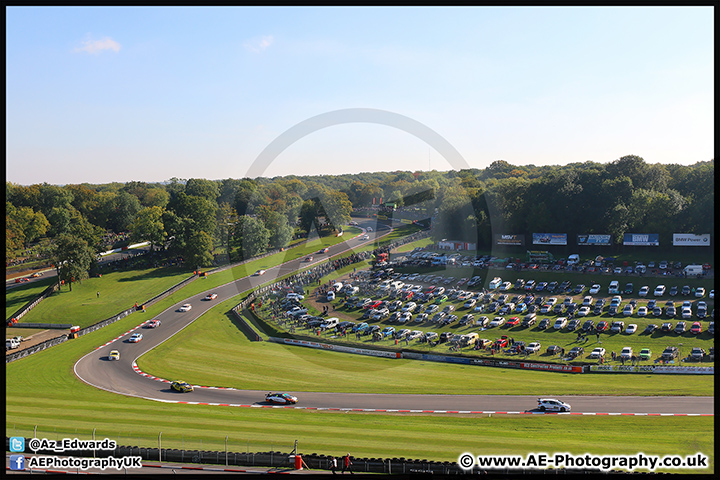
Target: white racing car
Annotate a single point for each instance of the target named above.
(281, 399)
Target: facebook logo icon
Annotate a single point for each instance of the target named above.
(17, 444)
(17, 462)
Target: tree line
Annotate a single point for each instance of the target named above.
(246, 217)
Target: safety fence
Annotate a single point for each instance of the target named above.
(230, 451)
(36, 348)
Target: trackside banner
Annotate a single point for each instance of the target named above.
(653, 369)
(691, 240)
(335, 348)
(551, 367)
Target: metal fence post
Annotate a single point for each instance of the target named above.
(160, 447)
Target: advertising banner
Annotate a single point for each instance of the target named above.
(552, 367)
(549, 238)
(691, 240)
(509, 239)
(642, 239)
(594, 239)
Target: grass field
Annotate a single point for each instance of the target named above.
(42, 390)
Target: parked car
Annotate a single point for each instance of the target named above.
(645, 354)
(626, 353)
(697, 354)
(617, 327)
(643, 291)
(553, 349)
(696, 328)
(650, 328)
(560, 323)
(597, 352)
(659, 291)
(680, 328)
(533, 347)
(670, 353)
(632, 328)
(543, 324)
(576, 352)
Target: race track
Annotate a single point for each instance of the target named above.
(121, 376)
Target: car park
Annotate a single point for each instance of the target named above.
(281, 399)
(181, 386)
(135, 338)
(114, 355)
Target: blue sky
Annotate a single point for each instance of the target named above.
(117, 94)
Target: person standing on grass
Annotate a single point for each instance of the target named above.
(346, 464)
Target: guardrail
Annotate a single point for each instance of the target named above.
(36, 348)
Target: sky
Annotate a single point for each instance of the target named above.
(115, 94)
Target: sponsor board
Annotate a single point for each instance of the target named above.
(549, 238)
(642, 239)
(691, 240)
(552, 367)
(594, 239)
(509, 239)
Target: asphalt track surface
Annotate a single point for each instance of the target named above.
(121, 376)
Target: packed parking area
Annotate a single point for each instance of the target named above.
(555, 316)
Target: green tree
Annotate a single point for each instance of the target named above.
(72, 258)
(280, 232)
(148, 226)
(249, 238)
(198, 249)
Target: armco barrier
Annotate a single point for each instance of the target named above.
(35, 348)
(336, 348)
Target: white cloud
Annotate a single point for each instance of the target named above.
(257, 45)
(97, 46)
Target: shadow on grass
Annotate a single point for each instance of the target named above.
(159, 272)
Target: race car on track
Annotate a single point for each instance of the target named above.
(258, 273)
(181, 386)
(281, 398)
(185, 308)
(136, 337)
(153, 323)
(552, 405)
(211, 296)
(114, 355)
